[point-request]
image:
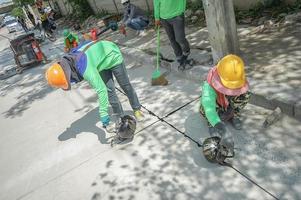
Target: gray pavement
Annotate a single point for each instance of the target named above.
(53, 146)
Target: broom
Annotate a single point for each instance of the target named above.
(157, 77)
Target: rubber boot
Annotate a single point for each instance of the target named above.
(236, 123)
(185, 63)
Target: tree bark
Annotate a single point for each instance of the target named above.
(221, 24)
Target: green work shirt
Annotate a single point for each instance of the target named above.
(167, 9)
(101, 55)
(208, 102)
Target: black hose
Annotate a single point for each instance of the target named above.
(197, 143)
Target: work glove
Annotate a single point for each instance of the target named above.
(157, 23)
(66, 49)
(228, 143)
(226, 115)
(105, 121)
(122, 29)
(220, 129)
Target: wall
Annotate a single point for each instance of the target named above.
(64, 7)
(108, 5)
(247, 4)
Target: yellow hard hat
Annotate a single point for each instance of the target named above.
(56, 77)
(231, 70)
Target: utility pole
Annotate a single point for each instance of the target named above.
(221, 24)
(116, 7)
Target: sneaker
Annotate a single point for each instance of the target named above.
(138, 115)
(236, 123)
(137, 33)
(142, 33)
(185, 63)
(111, 128)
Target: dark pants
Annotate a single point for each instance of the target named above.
(175, 29)
(121, 76)
(137, 23)
(236, 104)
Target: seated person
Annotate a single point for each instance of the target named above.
(134, 17)
(71, 40)
(224, 94)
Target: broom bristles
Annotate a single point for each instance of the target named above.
(161, 80)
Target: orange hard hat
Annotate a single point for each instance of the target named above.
(231, 70)
(56, 77)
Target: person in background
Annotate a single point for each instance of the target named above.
(170, 13)
(71, 40)
(133, 17)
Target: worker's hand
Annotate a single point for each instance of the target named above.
(105, 121)
(220, 128)
(66, 50)
(122, 29)
(157, 23)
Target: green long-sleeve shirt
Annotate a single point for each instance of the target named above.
(101, 55)
(167, 9)
(208, 102)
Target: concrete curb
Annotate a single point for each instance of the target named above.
(289, 109)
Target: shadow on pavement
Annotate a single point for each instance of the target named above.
(273, 59)
(85, 124)
(33, 78)
(164, 165)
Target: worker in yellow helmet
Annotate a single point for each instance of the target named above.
(224, 94)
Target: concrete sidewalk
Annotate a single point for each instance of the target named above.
(53, 147)
(272, 59)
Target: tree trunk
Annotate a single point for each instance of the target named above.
(221, 24)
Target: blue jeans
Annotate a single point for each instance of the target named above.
(137, 23)
(122, 78)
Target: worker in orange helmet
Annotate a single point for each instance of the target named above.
(225, 93)
(97, 62)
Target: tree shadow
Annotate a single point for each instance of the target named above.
(273, 58)
(33, 79)
(88, 123)
(161, 164)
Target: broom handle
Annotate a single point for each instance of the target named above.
(158, 47)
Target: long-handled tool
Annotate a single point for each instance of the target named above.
(157, 77)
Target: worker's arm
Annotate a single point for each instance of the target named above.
(125, 15)
(67, 45)
(76, 38)
(93, 77)
(208, 102)
(157, 9)
(133, 10)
